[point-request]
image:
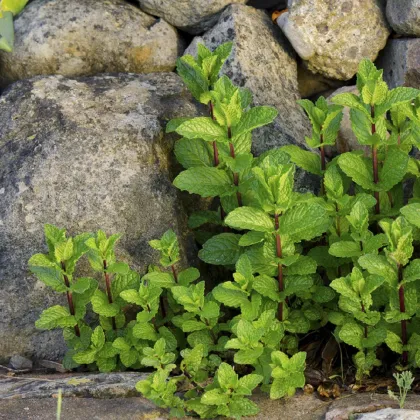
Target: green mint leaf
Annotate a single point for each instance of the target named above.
(202, 128)
(190, 153)
(207, 182)
(222, 249)
(81, 285)
(101, 306)
(250, 218)
(345, 249)
(358, 168)
(254, 118)
(412, 213)
(54, 317)
(309, 161)
(305, 221)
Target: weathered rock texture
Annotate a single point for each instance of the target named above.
(83, 154)
(262, 61)
(400, 61)
(99, 385)
(404, 16)
(86, 37)
(334, 36)
(390, 414)
(193, 16)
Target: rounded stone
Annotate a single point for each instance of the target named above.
(404, 16)
(83, 154)
(192, 16)
(86, 37)
(333, 37)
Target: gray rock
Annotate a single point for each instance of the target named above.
(400, 61)
(334, 36)
(84, 154)
(404, 16)
(20, 363)
(86, 37)
(390, 414)
(192, 16)
(96, 385)
(262, 61)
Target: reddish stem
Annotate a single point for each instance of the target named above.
(70, 298)
(280, 266)
(108, 292)
(174, 273)
(402, 310)
(375, 163)
(215, 149)
(323, 162)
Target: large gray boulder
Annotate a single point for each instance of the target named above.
(86, 37)
(84, 154)
(334, 36)
(404, 16)
(400, 61)
(192, 16)
(262, 61)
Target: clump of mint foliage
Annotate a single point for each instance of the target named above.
(344, 260)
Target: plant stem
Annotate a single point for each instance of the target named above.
(215, 149)
(174, 273)
(108, 292)
(363, 310)
(235, 174)
(70, 298)
(402, 310)
(375, 163)
(280, 266)
(216, 163)
(323, 162)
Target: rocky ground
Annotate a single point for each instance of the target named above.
(111, 396)
(94, 81)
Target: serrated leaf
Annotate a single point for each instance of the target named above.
(358, 168)
(55, 316)
(190, 153)
(305, 221)
(222, 249)
(250, 218)
(204, 181)
(257, 116)
(309, 161)
(101, 306)
(202, 128)
(345, 249)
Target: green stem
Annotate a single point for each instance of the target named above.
(235, 174)
(402, 310)
(280, 266)
(375, 163)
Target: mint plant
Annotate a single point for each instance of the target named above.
(388, 163)
(342, 263)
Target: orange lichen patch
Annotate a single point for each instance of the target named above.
(277, 13)
(141, 54)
